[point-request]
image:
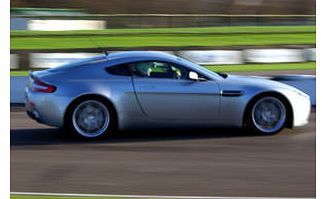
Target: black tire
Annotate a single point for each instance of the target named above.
(90, 118)
(267, 114)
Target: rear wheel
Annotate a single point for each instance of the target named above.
(90, 119)
(267, 115)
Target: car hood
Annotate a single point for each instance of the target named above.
(255, 81)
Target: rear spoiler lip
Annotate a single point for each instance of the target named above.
(33, 76)
(37, 78)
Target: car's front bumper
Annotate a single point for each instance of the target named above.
(301, 106)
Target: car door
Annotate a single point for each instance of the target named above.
(164, 91)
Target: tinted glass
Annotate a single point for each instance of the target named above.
(159, 70)
(121, 70)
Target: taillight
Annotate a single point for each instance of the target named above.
(39, 86)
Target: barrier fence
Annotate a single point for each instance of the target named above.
(105, 21)
(26, 61)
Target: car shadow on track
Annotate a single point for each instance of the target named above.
(48, 136)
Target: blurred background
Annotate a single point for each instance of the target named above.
(223, 35)
(178, 6)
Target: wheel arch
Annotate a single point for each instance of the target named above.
(282, 97)
(99, 97)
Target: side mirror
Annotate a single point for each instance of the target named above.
(193, 76)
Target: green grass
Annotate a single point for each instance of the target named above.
(225, 30)
(160, 41)
(18, 73)
(263, 67)
(237, 68)
(199, 37)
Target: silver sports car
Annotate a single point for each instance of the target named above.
(142, 89)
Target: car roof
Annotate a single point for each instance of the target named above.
(127, 56)
(117, 56)
(140, 54)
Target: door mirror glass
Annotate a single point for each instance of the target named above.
(193, 76)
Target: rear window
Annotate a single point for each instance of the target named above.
(121, 70)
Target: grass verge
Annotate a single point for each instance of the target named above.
(202, 30)
(263, 67)
(172, 37)
(152, 40)
(237, 68)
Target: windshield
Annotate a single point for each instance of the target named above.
(200, 68)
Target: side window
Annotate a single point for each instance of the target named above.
(121, 70)
(152, 69)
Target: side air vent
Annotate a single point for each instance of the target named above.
(231, 93)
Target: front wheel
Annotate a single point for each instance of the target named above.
(90, 119)
(268, 115)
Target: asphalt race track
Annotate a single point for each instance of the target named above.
(220, 162)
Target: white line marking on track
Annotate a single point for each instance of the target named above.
(143, 196)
